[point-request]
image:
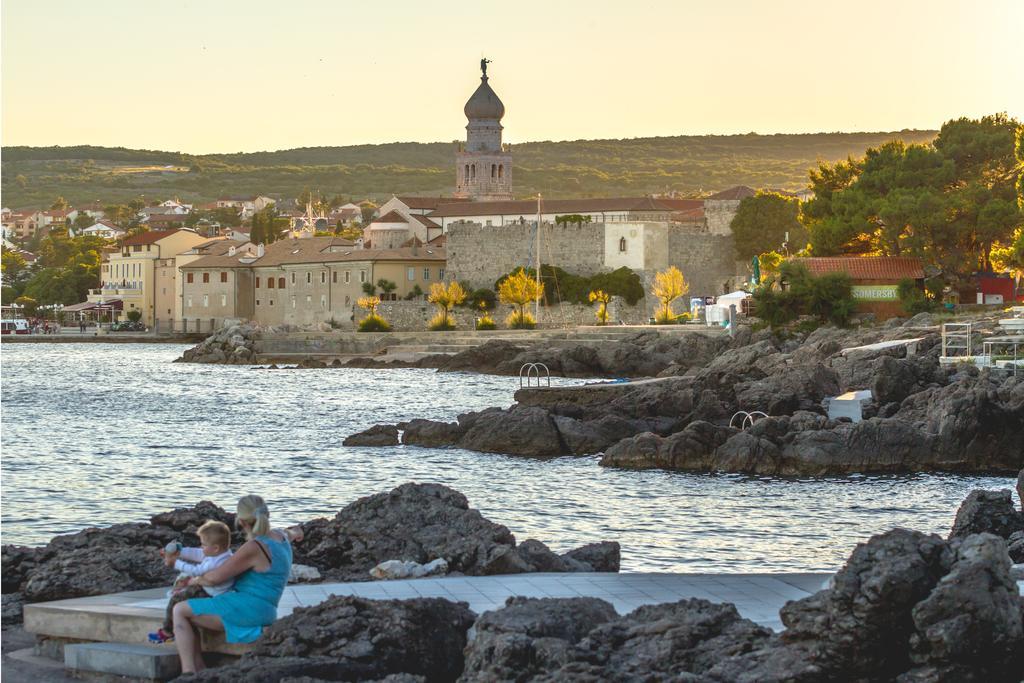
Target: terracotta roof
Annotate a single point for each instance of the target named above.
(429, 202)
(866, 267)
(738, 192)
(687, 215)
(151, 237)
(681, 204)
(528, 208)
(391, 217)
(426, 221)
(438, 241)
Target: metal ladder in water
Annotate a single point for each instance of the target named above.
(748, 418)
(530, 371)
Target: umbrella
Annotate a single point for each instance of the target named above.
(757, 270)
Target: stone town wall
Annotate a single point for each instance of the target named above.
(416, 315)
(480, 254)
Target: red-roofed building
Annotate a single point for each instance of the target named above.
(875, 278)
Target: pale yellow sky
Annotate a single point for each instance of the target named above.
(245, 75)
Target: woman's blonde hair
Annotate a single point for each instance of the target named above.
(251, 508)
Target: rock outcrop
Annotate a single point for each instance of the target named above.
(378, 435)
(355, 639)
(424, 522)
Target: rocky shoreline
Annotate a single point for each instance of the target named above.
(907, 606)
(922, 416)
(414, 523)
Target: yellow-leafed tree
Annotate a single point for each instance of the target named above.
(520, 290)
(445, 297)
(602, 297)
(669, 285)
(372, 322)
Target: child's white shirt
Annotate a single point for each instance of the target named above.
(194, 562)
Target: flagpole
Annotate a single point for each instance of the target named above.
(536, 305)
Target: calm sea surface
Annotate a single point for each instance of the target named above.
(95, 434)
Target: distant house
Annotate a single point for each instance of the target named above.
(104, 229)
(166, 221)
(247, 205)
(875, 279)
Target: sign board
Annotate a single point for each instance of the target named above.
(875, 293)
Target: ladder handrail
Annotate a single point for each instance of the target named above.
(530, 369)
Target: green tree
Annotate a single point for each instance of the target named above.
(386, 286)
(27, 303)
(59, 204)
(762, 223)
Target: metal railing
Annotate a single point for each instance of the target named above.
(531, 371)
(748, 418)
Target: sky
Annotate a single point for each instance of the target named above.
(214, 76)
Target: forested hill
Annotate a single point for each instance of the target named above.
(34, 176)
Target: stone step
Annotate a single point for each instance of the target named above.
(134, 660)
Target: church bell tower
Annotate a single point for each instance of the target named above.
(483, 165)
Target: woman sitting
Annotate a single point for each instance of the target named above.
(260, 569)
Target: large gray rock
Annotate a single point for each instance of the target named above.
(414, 522)
(604, 556)
(582, 639)
(431, 434)
(593, 436)
(987, 512)
(377, 435)
(691, 449)
(862, 625)
(791, 388)
(519, 431)
(972, 620)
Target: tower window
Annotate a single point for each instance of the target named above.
(622, 244)
(494, 171)
(472, 172)
(501, 171)
(465, 176)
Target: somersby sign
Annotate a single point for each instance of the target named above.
(875, 293)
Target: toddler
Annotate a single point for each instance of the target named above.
(215, 539)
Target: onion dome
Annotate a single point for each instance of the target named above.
(484, 104)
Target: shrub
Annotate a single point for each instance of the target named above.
(482, 299)
(485, 322)
(520, 320)
(133, 316)
(441, 323)
(828, 298)
(416, 293)
(374, 323)
(913, 299)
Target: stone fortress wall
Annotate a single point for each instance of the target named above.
(480, 254)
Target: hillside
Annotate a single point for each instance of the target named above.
(34, 176)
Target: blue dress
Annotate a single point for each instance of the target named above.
(252, 603)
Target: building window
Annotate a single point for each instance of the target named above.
(465, 176)
(323, 277)
(270, 282)
(362, 276)
(410, 273)
(348, 301)
(257, 302)
(293, 278)
(622, 244)
(348, 276)
(257, 283)
(223, 299)
(323, 301)
(426, 273)
(223, 276)
(280, 281)
(188, 278)
(334, 277)
(440, 273)
(206, 300)
(188, 302)
(271, 302)
(309, 278)
(206, 278)
(494, 171)
(501, 171)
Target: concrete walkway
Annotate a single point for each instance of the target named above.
(126, 617)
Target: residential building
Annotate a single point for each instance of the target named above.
(246, 205)
(129, 274)
(302, 281)
(168, 285)
(104, 229)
